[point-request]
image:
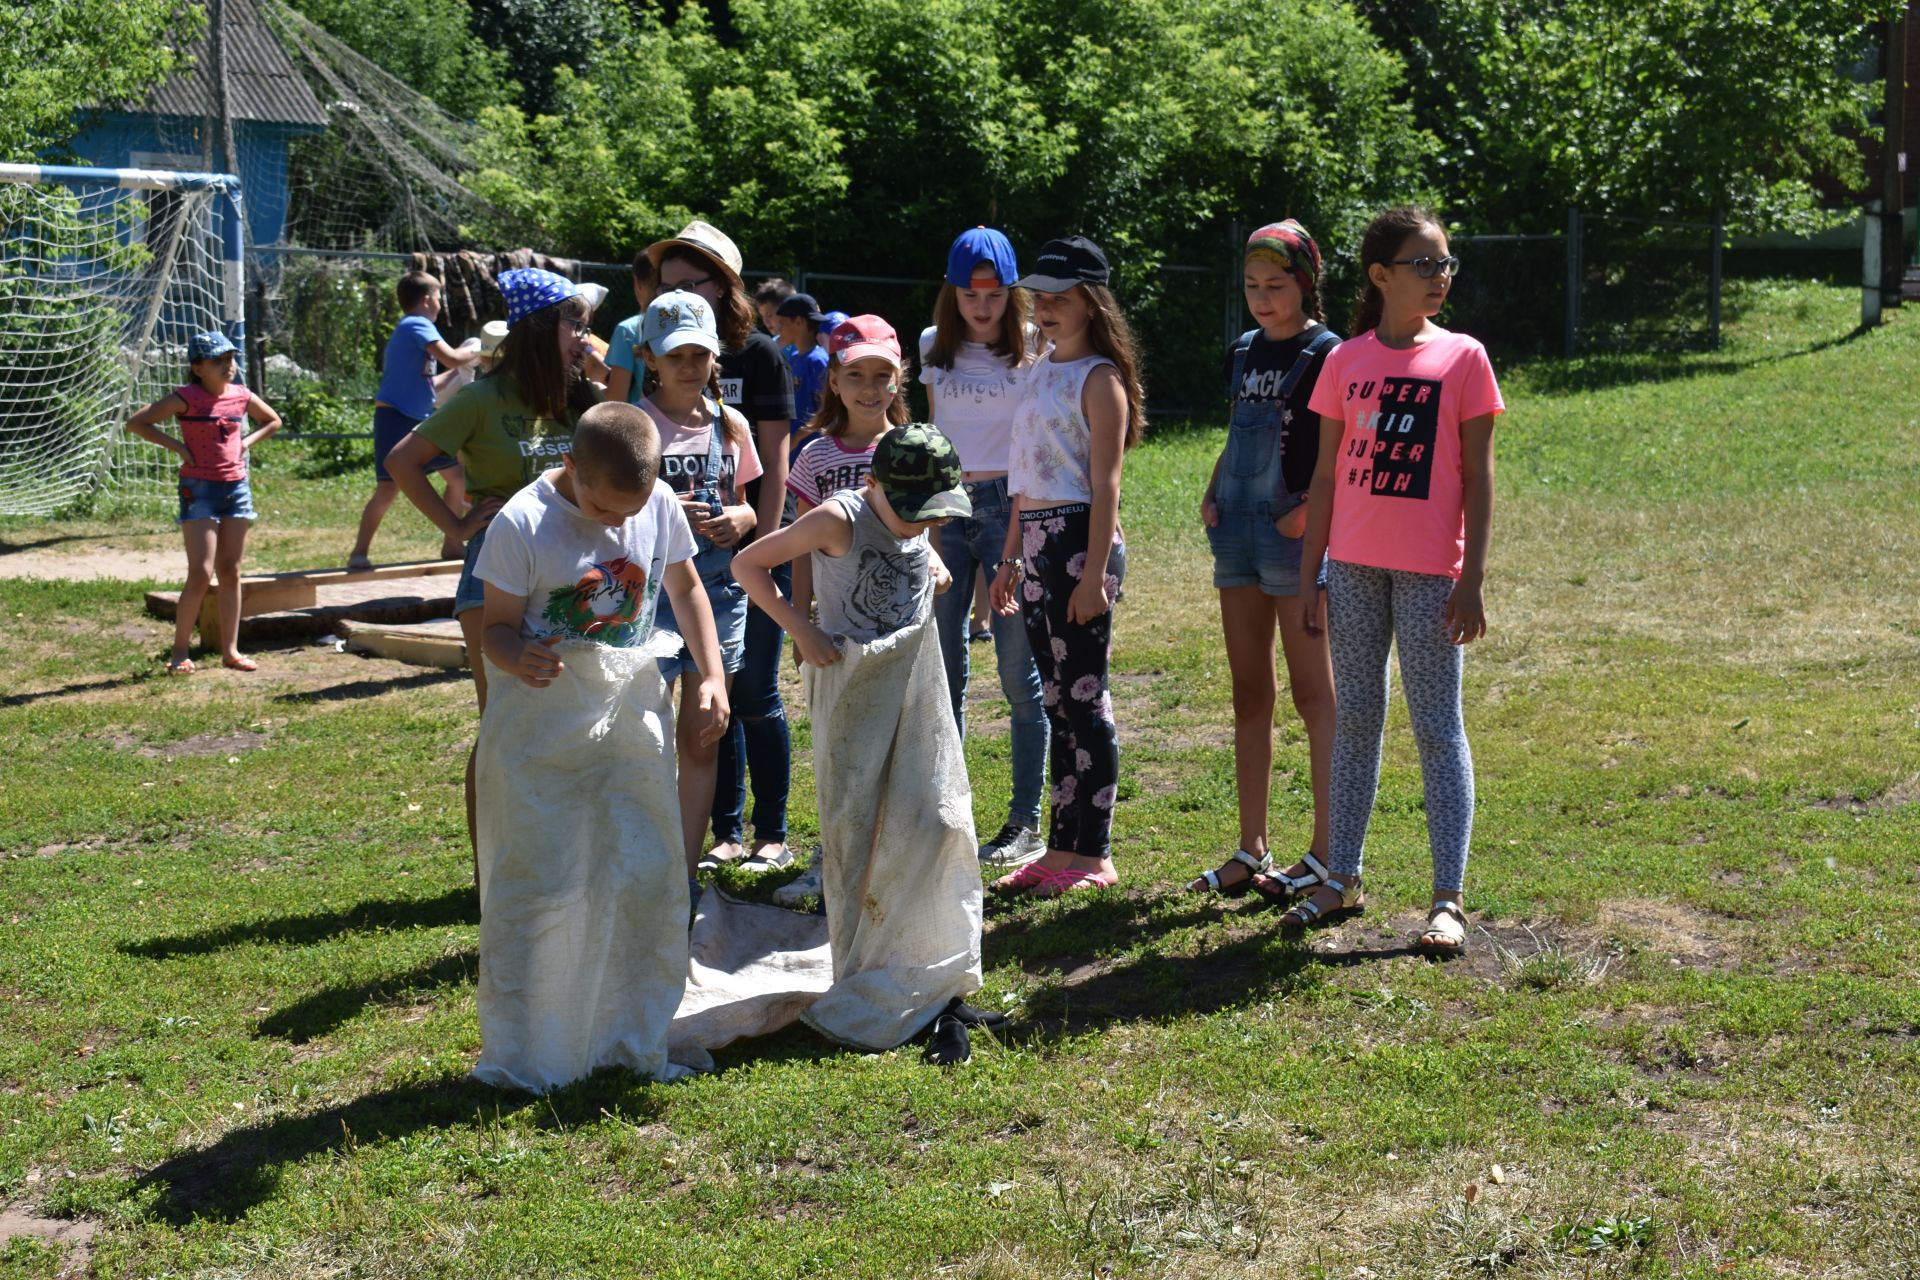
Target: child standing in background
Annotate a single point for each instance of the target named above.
(797, 323)
(405, 400)
(1402, 504)
(974, 359)
(1254, 512)
(707, 459)
(1064, 559)
(216, 501)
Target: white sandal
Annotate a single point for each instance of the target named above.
(1292, 887)
(1446, 931)
(1256, 867)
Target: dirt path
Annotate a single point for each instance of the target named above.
(77, 566)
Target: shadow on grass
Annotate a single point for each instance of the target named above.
(455, 906)
(332, 1007)
(223, 1181)
(70, 690)
(52, 540)
(1601, 370)
(355, 690)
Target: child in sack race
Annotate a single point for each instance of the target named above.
(901, 878)
(583, 904)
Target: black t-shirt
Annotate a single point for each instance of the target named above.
(1267, 365)
(755, 380)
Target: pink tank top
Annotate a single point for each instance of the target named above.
(212, 430)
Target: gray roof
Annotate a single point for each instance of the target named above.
(262, 82)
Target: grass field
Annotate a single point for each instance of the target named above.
(237, 961)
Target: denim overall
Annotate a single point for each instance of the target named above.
(1251, 491)
(713, 563)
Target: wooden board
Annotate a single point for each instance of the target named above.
(309, 603)
(425, 644)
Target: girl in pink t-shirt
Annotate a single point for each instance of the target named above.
(216, 501)
(1402, 506)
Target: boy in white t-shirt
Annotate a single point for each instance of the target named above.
(583, 919)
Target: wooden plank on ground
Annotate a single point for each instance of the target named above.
(279, 592)
(425, 644)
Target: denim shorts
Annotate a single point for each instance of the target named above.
(215, 500)
(729, 622)
(390, 427)
(1249, 552)
(472, 592)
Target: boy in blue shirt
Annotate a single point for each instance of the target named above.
(405, 400)
(799, 320)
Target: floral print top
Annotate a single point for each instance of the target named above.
(1052, 447)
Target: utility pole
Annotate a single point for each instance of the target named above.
(222, 100)
(1893, 164)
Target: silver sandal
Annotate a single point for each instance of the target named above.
(1292, 887)
(1446, 931)
(1256, 867)
(1307, 914)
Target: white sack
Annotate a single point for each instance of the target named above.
(583, 890)
(902, 880)
(751, 969)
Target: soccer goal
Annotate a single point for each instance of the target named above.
(104, 275)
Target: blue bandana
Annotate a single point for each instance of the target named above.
(529, 289)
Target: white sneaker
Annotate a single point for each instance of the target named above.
(806, 885)
(1015, 846)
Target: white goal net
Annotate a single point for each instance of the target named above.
(104, 275)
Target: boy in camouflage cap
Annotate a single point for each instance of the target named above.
(898, 871)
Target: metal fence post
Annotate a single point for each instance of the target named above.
(1870, 247)
(1714, 277)
(1574, 271)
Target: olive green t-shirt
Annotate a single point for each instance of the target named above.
(501, 442)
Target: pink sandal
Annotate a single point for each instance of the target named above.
(1060, 882)
(1028, 877)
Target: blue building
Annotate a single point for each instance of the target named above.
(270, 103)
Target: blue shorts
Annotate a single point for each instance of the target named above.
(1249, 552)
(215, 500)
(729, 622)
(472, 592)
(390, 427)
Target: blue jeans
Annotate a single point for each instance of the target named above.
(757, 741)
(976, 541)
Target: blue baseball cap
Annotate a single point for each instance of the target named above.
(833, 320)
(209, 346)
(676, 319)
(529, 289)
(977, 246)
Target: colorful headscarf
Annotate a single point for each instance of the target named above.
(1289, 246)
(529, 289)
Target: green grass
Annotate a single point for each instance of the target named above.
(237, 960)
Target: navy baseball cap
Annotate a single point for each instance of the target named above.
(977, 254)
(1062, 264)
(801, 305)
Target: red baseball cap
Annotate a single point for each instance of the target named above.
(858, 337)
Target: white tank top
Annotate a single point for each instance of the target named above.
(973, 402)
(1052, 448)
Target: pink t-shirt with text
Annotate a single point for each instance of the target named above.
(1397, 492)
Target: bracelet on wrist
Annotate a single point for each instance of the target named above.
(1015, 561)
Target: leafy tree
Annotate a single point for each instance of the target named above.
(429, 44)
(540, 37)
(1654, 107)
(68, 56)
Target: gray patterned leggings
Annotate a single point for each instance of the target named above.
(1367, 610)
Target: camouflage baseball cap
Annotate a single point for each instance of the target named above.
(918, 469)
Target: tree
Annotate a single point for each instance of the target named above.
(429, 44)
(69, 56)
(1646, 108)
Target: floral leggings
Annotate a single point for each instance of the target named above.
(1072, 657)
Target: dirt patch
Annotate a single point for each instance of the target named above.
(1898, 796)
(74, 1236)
(200, 744)
(1695, 939)
(92, 566)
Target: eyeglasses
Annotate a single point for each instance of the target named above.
(1427, 268)
(580, 328)
(691, 282)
